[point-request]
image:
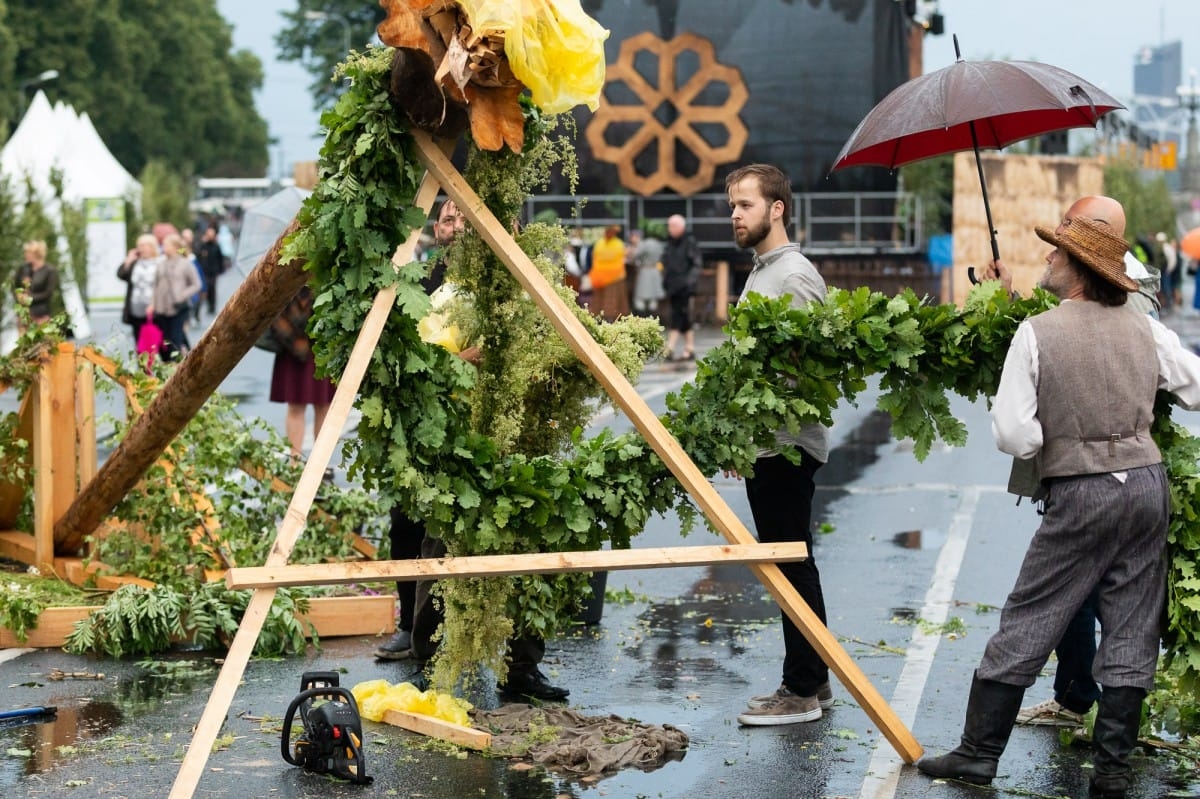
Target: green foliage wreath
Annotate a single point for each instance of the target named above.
(495, 461)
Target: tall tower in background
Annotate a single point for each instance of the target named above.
(1158, 71)
(1156, 106)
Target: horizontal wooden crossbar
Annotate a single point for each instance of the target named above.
(500, 565)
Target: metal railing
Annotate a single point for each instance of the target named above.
(824, 223)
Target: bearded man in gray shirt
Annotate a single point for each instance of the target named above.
(781, 492)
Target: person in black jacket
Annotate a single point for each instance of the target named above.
(212, 264)
(681, 262)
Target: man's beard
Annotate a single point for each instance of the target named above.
(750, 237)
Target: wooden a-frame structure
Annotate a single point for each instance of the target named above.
(247, 314)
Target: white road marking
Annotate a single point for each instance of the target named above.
(883, 772)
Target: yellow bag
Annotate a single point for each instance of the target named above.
(553, 47)
(375, 697)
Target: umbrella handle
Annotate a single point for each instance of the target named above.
(987, 207)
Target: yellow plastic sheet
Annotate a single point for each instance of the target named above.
(553, 47)
(375, 697)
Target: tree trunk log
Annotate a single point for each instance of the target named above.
(256, 303)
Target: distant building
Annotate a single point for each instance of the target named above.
(1158, 71)
(218, 195)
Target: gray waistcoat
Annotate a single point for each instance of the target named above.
(1098, 374)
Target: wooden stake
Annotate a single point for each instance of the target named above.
(577, 337)
(467, 737)
(292, 525)
(499, 565)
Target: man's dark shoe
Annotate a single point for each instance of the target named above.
(398, 647)
(533, 684)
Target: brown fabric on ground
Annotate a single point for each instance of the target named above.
(584, 745)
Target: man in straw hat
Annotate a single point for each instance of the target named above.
(1077, 393)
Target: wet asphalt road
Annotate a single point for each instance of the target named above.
(909, 546)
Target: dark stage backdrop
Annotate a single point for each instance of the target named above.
(813, 69)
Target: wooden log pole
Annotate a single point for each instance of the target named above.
(499, 565)
(619, 389)
(263, 294)
(292, 525)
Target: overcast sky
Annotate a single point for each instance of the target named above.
(1096, 39)
(284, 100)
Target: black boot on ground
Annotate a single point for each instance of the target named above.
(991, 712)
(1118, 718)
(532, 684)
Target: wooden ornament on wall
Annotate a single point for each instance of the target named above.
(682, 132)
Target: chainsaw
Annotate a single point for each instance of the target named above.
(331, 742)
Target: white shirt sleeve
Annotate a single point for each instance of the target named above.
(1178, 367)
(1015, 423)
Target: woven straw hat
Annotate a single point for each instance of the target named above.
(1094, 245)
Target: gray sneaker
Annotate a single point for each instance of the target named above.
(824, 698)
(398, 647)
(1049, 714)
(783, 707)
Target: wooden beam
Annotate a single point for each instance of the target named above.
(64, 453)
(499, 565)
(53, 627)
(334, 616)
(85, 419)
(292, 525)
(648, 424)
(42, 446)
(18, 546)
(456, 734)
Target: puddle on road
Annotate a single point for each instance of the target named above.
(36, 745)
(851, 458)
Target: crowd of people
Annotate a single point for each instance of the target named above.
(648, 276)
(167, 282)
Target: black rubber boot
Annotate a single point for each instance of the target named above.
(1118, 718)
(991, 712)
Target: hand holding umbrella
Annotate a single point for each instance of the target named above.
(971, 105)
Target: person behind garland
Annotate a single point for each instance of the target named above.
(420, 611)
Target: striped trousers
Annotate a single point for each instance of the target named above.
(1097, 532)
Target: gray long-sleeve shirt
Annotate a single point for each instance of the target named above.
(785, 271)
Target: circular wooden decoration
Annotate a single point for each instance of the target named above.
(682, 131)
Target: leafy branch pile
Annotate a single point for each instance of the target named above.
(473, 456)
(197, 509)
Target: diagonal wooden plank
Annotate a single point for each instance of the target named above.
(499, 565)
(292, 525)
(619, 389)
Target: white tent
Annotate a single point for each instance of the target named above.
(56, 137)
(51, 137)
